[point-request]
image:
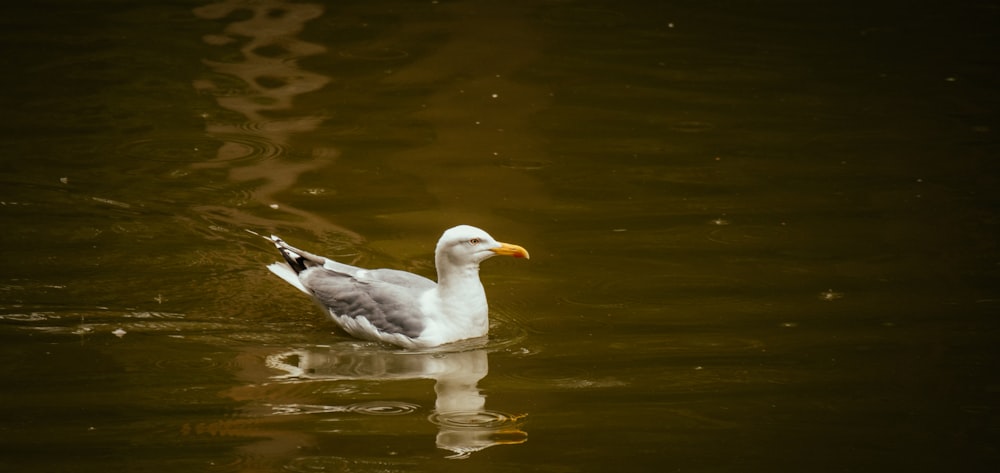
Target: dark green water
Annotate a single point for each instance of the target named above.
(763, 234)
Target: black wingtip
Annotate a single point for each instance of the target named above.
(297, 259)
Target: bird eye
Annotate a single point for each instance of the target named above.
(474, 241)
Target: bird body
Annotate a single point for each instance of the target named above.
(396, 306)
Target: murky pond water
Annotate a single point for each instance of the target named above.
(763, 235)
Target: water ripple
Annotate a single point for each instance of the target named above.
(467, 432)
(372, 408)
(691, 126)
(562, 377)
(525, 164)
(383, 408)
(29, 317)
(475, 420)
(205, 363)
(234, 464)
(207, 150)
(314, 464)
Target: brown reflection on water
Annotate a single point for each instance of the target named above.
(269, 80)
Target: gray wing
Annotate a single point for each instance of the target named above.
(400, 278)
(387, 298)
(391, 276)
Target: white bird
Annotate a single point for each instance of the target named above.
(399, 307)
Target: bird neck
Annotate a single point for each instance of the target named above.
(460, 280)
(461, 299)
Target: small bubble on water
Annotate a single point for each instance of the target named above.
(830, 295)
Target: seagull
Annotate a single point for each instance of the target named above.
(399, 307)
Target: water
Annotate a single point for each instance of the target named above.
(763, 236)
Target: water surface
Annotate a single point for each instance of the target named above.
(763, 236)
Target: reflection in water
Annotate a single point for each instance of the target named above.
(268, 68)
(312, 376)
(464, 424)
(269, 80)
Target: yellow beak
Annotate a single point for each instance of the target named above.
(506, 249)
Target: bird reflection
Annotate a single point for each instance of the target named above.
(464, 424)
(308, 378)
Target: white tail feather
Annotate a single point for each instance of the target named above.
(285, 272)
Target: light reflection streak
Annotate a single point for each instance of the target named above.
(271, 78)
